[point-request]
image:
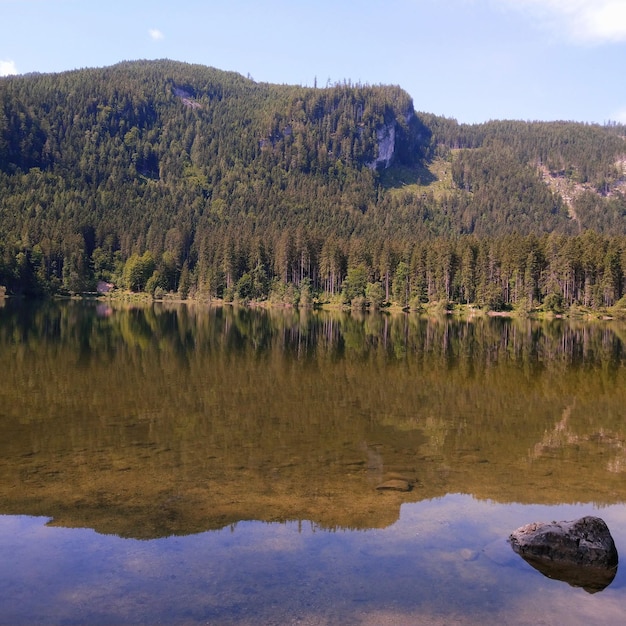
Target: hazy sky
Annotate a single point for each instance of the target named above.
(474, 60)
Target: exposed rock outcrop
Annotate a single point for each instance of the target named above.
(581, 552)
(386, 137)
(187, 98)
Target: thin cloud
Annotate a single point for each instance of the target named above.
(7, 68)
(156, 34)
(589, 21)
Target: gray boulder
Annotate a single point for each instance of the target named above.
(581, 552)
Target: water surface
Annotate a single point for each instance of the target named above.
(184, 465)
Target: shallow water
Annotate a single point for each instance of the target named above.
(190, 466)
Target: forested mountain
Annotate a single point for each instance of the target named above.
(163, 176)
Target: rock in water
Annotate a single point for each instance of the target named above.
(586, 541)
(395, 484)
(581, 552)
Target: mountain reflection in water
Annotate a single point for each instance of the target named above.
(249, 447)
(158, 421)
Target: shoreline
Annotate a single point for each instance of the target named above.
(434, 309)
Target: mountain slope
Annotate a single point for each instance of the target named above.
(158, 174)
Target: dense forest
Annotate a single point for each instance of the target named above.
(166, 177)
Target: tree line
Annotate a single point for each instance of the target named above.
(302, 267)
(169, 177)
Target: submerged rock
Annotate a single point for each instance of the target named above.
(395, 484)
(580, 552)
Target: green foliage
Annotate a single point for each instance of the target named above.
(358, 303)
(553, 303)
(138, 270)
(401, 284)
(244, 288)
(305, 299)
(375, 294)
(355, 284)
(158, 175)
(185, 281)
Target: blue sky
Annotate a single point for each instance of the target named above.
(473, 60)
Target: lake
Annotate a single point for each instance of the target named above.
(192, 465)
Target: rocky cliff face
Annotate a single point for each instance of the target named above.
(386, 137)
